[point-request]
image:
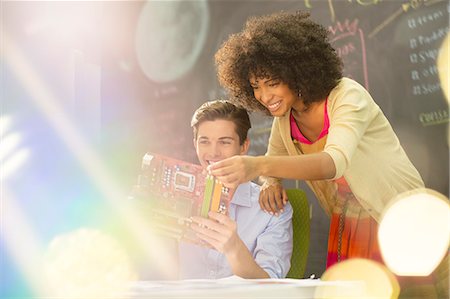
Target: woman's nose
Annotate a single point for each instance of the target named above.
(265, 96)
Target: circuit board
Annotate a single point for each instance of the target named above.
(170, 191)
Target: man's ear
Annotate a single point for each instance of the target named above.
(245, 146)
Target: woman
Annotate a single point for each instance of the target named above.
(327, 130)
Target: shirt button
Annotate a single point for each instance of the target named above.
(212, 273)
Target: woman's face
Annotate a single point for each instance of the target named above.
(273, 94)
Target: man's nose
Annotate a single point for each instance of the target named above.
(215, 150)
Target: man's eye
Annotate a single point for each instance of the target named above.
(273, 84)
(203, 142)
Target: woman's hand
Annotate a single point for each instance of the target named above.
(235, 170)
(219, 231)
(273, 198)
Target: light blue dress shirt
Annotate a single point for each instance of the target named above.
(268, 238)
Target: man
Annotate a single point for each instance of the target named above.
(246, 242)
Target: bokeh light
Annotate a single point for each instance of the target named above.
(87, 263)
(414, 232)
(378, 281)
(443, 64)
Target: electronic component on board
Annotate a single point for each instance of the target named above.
(170, 191)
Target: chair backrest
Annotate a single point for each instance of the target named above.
(301, 230)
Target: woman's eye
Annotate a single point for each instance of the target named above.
(273, 84)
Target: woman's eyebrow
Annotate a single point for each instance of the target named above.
(271, 79)
(264, 80)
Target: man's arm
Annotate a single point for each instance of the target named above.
(274, 246)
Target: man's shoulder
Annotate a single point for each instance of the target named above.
(255, 190)
(255, 187)
(252, 194)
(250, 188)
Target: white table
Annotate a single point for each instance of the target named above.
(235, 287)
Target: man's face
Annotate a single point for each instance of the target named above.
(217, 140)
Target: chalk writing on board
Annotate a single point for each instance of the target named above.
(308, 4)
(423, 57)
(404, 7)
(421, 33)
(348, 40)
(424, 49)
(434, 117)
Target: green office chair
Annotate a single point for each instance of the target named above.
(300, 225)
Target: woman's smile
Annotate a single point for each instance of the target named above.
(274, 106)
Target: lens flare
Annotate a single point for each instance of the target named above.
(443, 64)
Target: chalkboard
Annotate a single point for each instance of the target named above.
(390, 47)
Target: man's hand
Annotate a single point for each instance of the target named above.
(273, 198)
(219, 231)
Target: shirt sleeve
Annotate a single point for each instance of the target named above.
(274, 246)
(350, 116)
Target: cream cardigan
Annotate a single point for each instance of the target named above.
(363, 146)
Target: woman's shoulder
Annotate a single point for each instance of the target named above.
(349, 91)
(346, 84)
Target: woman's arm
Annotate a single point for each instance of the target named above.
(239, 169)
(318, 166)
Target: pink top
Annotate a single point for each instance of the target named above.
(295, 131)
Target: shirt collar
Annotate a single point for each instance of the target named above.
(242, 195)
